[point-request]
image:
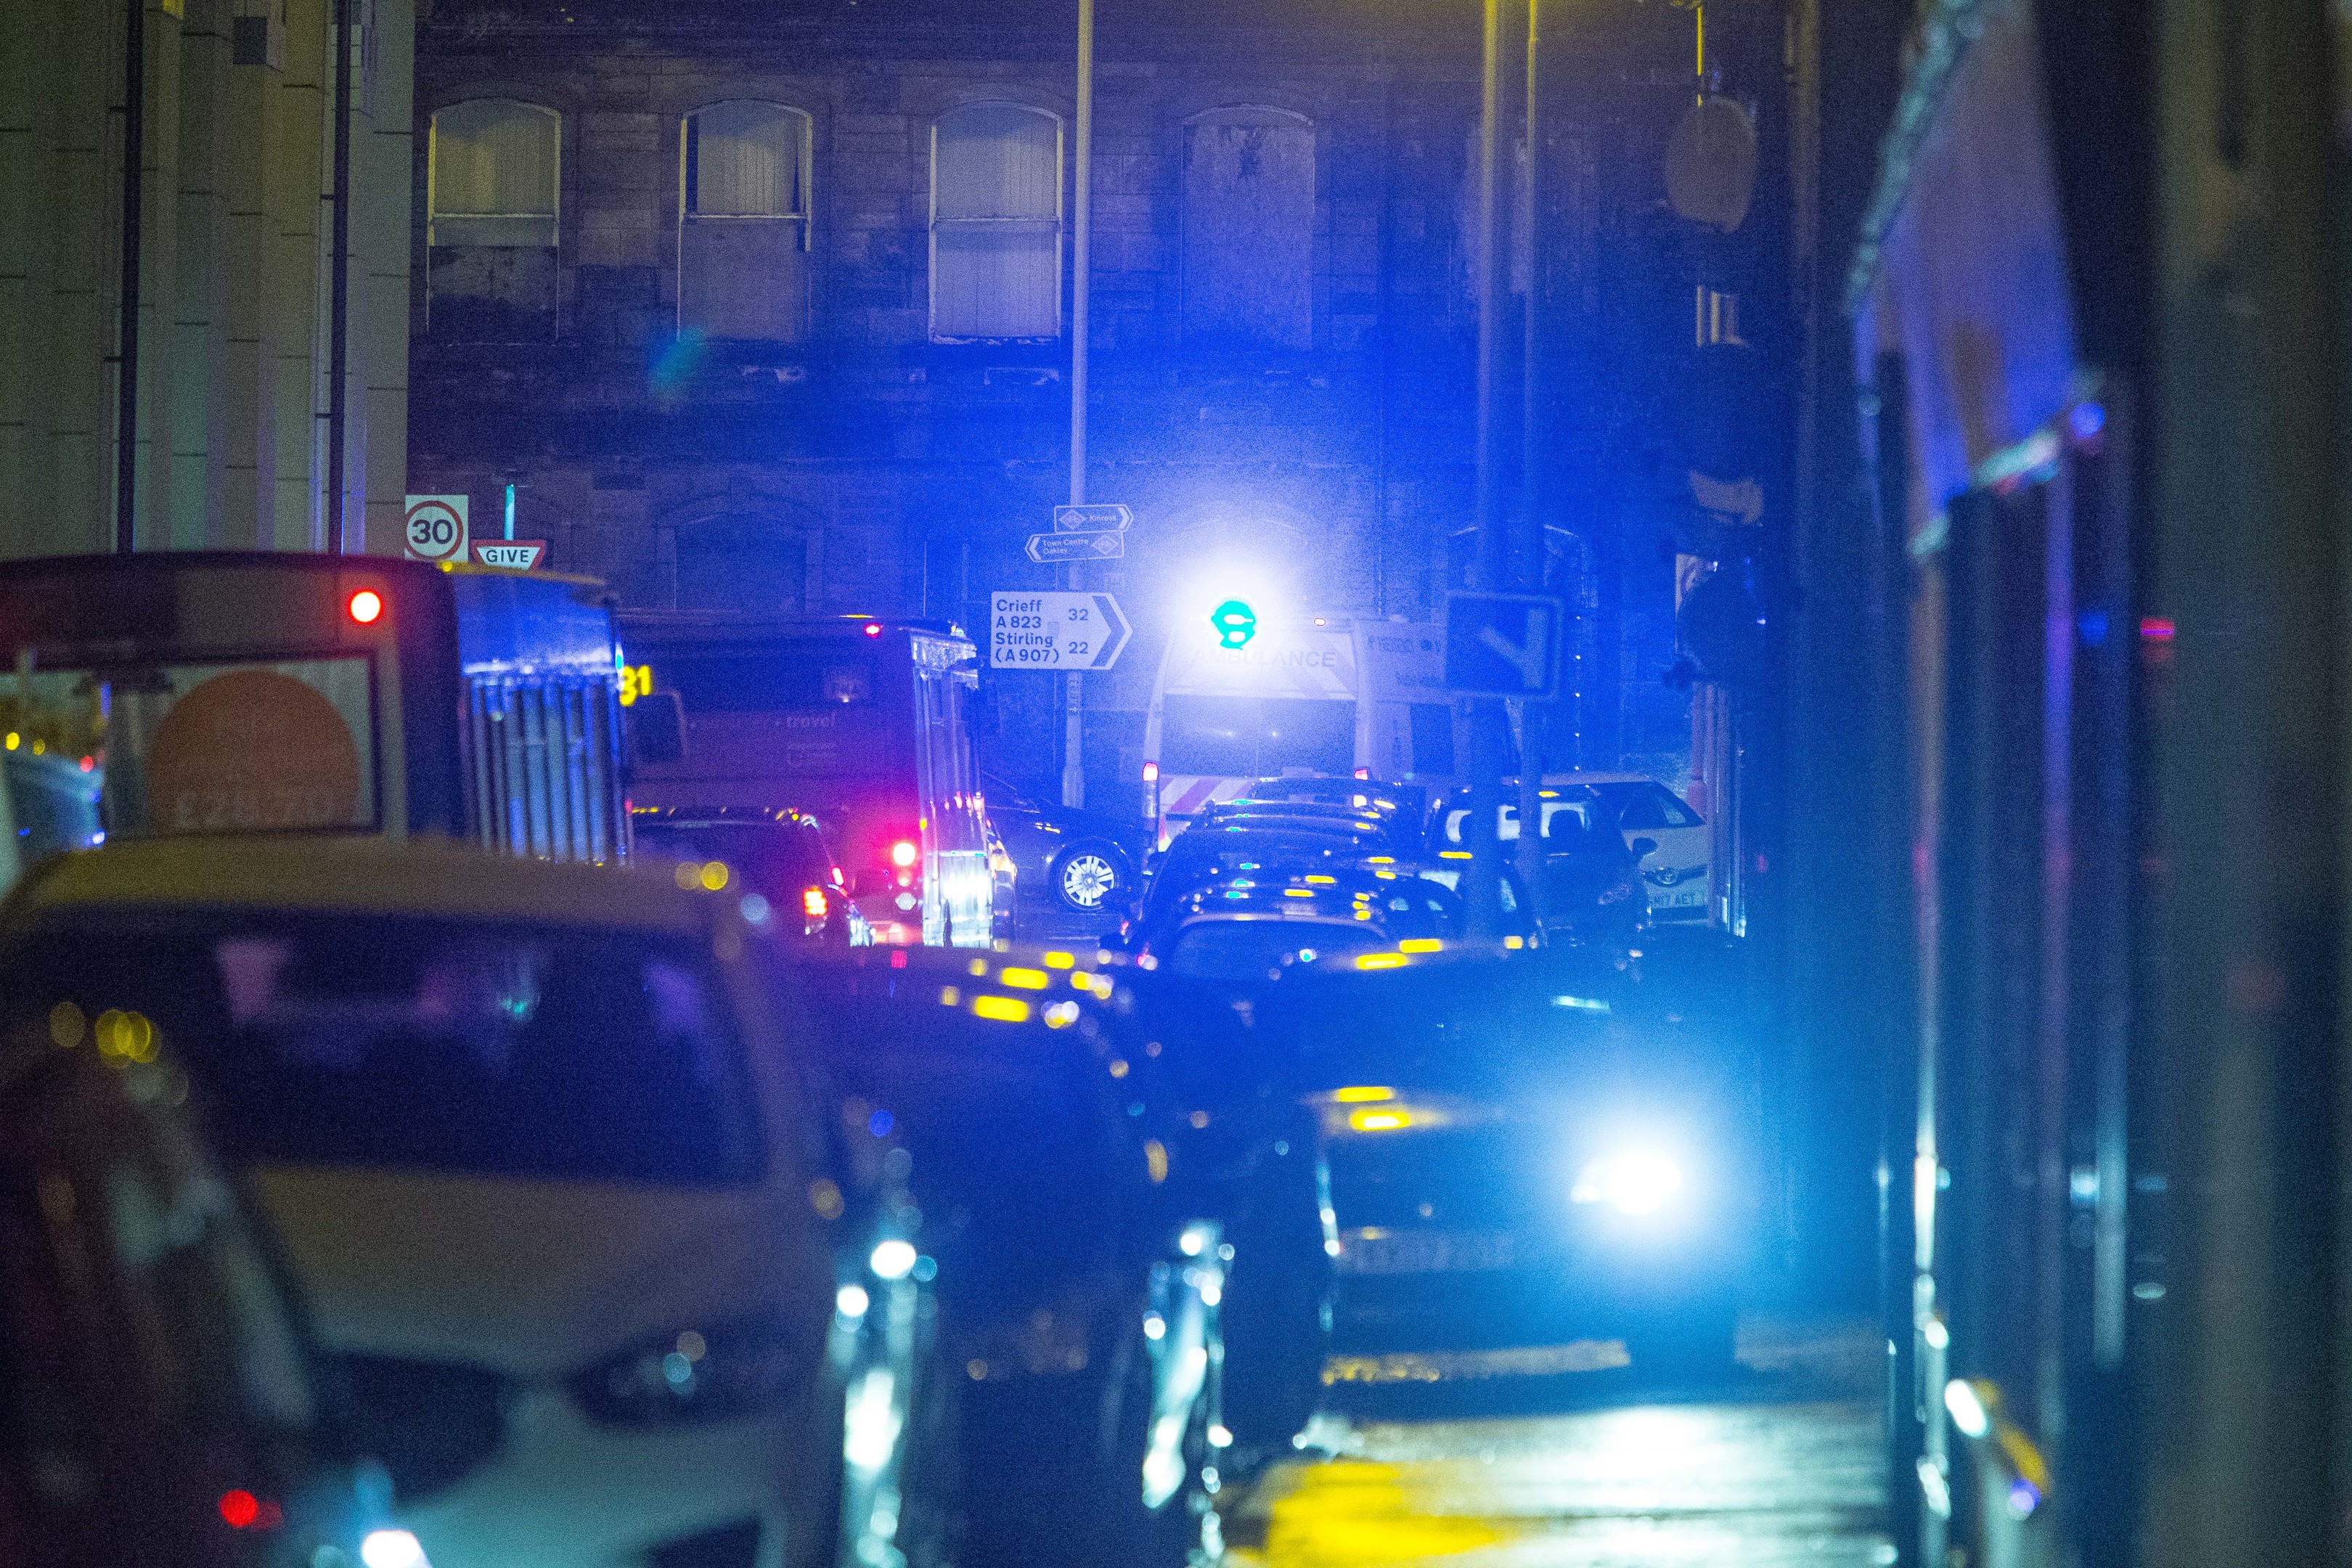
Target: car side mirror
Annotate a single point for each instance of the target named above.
(1642, 846)
(654, 727)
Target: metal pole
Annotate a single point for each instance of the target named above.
(339, 292)
(134, 152)
(1487, 734)
(1074, 772)
(1533, 712)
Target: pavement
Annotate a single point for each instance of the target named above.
(1568, 1457)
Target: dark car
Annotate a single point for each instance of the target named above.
(780, 855)
(1066, 1411)
(159, 1397)
(1075, 859)
(1400, 833)
(1247, 928)
(1409, 801)
(1590, 896)
(1521, 1146)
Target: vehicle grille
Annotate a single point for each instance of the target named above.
(429, 1423)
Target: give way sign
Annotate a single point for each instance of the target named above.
(509, 554)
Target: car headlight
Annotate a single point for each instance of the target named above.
(1636, 1182)
(731, 1370)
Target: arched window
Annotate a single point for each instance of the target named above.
(743, 221)
(996, 222)
(1249, 227)
(491, 194)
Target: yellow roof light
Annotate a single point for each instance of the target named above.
(1421, 944)
(1056, 960)
(1363, 1094)
(1382, 960)
(1515, 942)
(1297, 893)
(1387, 1119)
(1003, 1009)
(1379, 859)
(1453, 855)
(1319, 881)
(1023, 979)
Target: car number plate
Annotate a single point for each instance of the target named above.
(1685, 897)
(1425, 1252)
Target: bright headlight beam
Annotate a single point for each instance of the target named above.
(1639, 1183)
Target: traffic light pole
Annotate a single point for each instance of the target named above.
(1074, 771)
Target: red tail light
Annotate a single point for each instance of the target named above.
(1151, 772)
(366, 606)
(873, 630)
(1363, 773)
(813, 903)
(904, 854)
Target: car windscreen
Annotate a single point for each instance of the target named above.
(419, 1044)
(1252, 737)
(1647, 806)
(768, 857)
(1477, 1027)
(1248, 949)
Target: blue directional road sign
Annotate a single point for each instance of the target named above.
(1502, 645)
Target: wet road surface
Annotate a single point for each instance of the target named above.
(1560, 1457)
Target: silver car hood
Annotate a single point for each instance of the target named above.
(535, 1278)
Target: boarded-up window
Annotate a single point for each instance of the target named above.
(1249, 227)
(743, 222)
(491, 193)
(996, 224)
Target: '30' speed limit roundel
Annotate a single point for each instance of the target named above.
(435, 529)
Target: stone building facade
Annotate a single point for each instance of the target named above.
(766, 307)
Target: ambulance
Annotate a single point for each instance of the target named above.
(1330, 696)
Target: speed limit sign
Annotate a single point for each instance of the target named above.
(436, 530)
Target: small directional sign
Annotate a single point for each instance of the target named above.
(1054, 631)
(1502, 645)
(1077, 519)
(1090, 546)
(509, 554)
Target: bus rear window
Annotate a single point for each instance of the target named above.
(1255, 737)
(770, 679)
(251, 746)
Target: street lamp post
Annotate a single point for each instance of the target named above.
(1490, 569)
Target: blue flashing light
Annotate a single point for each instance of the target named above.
(2086, 420)
(2093, 625)
(880, 1123)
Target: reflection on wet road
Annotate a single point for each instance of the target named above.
(1772, 1473)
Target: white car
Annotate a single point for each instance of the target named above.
(539, 1158)
(1675, 873)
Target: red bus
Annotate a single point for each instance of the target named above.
(861, 722)
(272, 691)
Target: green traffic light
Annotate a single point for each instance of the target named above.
(1235, 621)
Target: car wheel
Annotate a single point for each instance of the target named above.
(1089, 876)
